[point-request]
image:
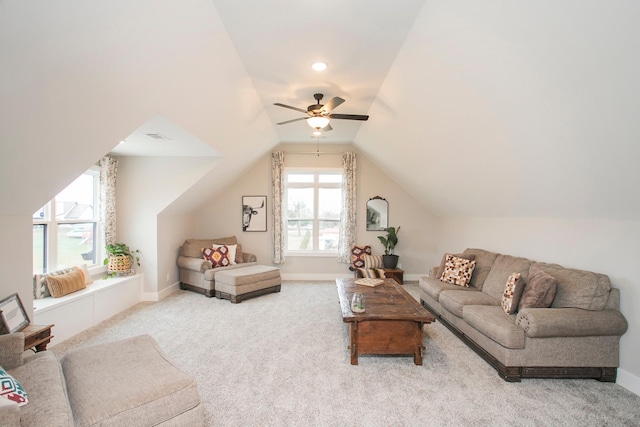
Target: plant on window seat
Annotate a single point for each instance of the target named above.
(119, 259)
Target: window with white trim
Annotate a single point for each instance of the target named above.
(65, 230)
(313, 204)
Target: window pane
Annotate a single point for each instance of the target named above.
(330, 203)
(300, 203)
(329, 233)
(299, 177)
(299, 235)
(76, 201)
(39, 215)
(39, 245)
(75, 244)
(332, 178)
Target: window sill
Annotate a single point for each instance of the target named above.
(311, 254)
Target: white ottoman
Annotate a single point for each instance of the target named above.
(247, 282)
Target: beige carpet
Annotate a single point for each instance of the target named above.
(282, 360)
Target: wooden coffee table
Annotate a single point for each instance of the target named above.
(391, 324)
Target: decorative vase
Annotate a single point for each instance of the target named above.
(119, 263)
(390, 261)
(357, 303)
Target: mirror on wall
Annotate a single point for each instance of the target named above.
(377, 214)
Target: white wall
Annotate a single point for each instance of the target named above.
(16, 258)
(222, 215)
(603, 246)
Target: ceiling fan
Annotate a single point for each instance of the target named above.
(319, 115)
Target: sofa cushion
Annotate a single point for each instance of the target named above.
(357, 255)
(502, 268)
(512, 293)
(191, 247)
(210, 275)
(578, 288)
(41, 376)
(457, 270)
(438, 273)
(455, 300)
(484, 261)
(65, 284)
(11, 389)
(433, 287)
(218, 256)
(492, 322)
(539, 290)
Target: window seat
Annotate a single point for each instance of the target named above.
(80, 310)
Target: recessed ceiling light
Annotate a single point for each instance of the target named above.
(319, 66)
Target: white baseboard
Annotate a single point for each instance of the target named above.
(157, 296)
(628, 381)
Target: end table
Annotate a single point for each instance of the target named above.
(37, 337)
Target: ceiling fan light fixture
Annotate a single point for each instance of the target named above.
(317, 132)
(319, 66)
(318, 122)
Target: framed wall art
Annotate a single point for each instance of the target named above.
(14, 318)
(254, 213)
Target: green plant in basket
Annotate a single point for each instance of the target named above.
(120, 258)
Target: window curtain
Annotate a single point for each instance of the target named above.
(348, 216)
(108, 172)
(277, 180)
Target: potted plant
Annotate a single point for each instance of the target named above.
(389, 260)
(119, 259)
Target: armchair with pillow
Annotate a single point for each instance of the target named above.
(365, 264)
(200, 259)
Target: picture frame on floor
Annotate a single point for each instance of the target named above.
(14, 317)
(254, 213)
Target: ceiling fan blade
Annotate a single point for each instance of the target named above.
(290, 107)
(333, 103)
(292, 120)
(349, 117)
(327, 128)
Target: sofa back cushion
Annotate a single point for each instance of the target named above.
(578, 288)
(484, 261)
(502, 268)
(192, 247)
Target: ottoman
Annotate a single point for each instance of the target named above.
(129, 383)
(247, 282)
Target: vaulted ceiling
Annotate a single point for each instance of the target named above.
(492, 108)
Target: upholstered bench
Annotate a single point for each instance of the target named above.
(247, 282)
(129, 382)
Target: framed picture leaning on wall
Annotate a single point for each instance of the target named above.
(254, 213)
(14, 318)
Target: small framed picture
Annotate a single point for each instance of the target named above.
(14, 318)
(254, 213)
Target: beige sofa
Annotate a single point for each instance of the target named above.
(196, 274)
(124, 383)
(577, 337)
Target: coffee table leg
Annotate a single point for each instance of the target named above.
(354, 343)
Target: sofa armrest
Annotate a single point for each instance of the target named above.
(570, 322)
(249, 257)
(9, 413)
(11, 351)
(194, 264)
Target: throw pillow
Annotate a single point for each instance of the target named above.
(232, 252)
(512, 293)
(65, 284)
(11, 389)
(372, 261)
(357, 255)
(239, 254)
(218, 257)
(457, 270)
(444, 260)
(372, 273)
(539, 291)
(40, 289)
(85, 273)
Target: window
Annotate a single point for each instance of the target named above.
(313, 201)
(65, 230)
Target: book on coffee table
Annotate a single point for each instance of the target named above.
(369, 282)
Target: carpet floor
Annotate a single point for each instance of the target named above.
(282, 360)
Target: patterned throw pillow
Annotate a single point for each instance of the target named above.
(372, 261)
(11, 389)
(512, 293)
(40, 289)
(458, 271)
(372, 273)
(218, 257)
(232, 252)
(357, 255)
